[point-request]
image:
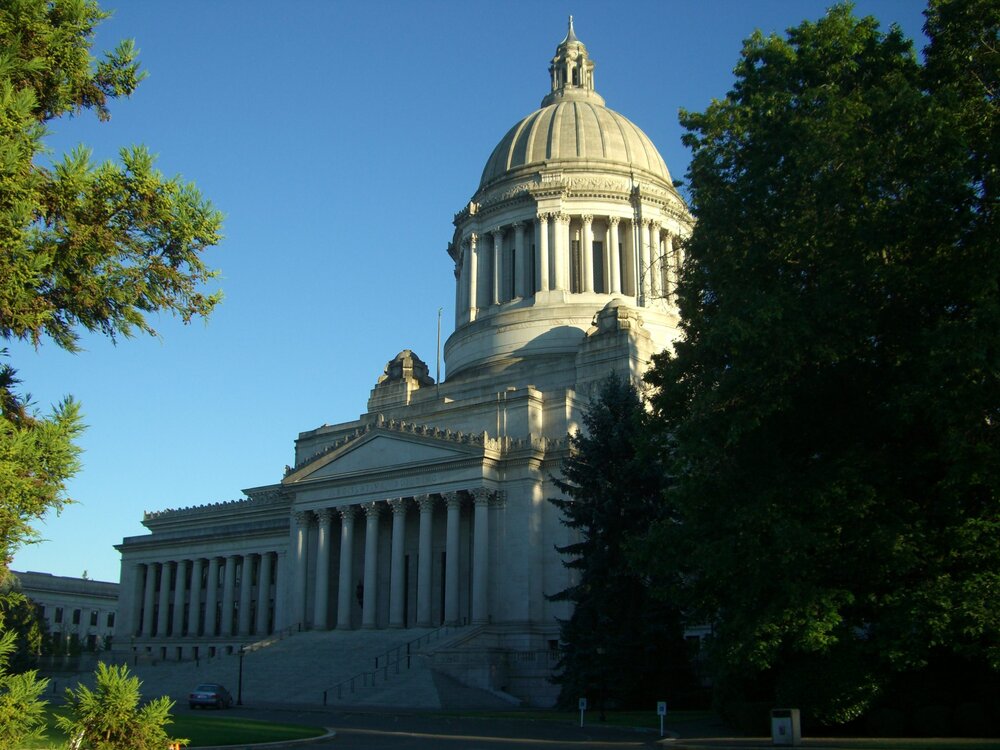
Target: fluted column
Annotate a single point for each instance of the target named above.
(587, 253)
(228, 595)
(497, 286)
(246, 589)
(397, 589)
(472, 273)
(480, 556)
(368, 611)
(424, 560)
(346, 564)
(614, 257)
(562, 252)
(180, 589)
(138, 581)
(212, 597)
(194, 608)
(672, 269)
(656, 260)
(321, 600)
(645, 270)
(454, 504)
(542, 258)
(521, 275)
(301, 572)
(264, 594)
(162, 618)
(149, 600)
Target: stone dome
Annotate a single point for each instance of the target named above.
(573, 125)
(580, 131)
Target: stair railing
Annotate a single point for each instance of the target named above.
(393, 659)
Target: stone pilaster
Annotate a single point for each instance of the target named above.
(397, 590)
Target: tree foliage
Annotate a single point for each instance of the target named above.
(22, 709)
(110, 716)
(620, 646)
(83, 246)
(833, 406)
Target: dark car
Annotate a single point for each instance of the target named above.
(210, 694)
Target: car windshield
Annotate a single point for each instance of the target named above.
(206, 688)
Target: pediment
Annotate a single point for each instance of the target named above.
(382, 451)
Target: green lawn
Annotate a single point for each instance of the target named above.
(205, 730)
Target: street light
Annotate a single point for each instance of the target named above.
(239, 687)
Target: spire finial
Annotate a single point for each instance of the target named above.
(571, 35)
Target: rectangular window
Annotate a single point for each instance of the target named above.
(76, 616)
(111, 619)
(58, 616)
(93, 618)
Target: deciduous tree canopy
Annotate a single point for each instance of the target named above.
(833, 407)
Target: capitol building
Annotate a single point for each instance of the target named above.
(431, 507)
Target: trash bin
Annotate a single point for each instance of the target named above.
(786, 728)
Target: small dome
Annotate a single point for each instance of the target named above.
(575, 131)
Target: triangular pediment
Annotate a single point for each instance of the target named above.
(382, 450)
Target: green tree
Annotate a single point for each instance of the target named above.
(832, 407)
(83, 246)
(22, 710)
(110, 716)
(21, 616)
(620, 646)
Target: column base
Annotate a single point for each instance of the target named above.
(396, 625)
(426, 624)
(368, 626)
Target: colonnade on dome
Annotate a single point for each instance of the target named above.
(548, 252)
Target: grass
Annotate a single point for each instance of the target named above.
(203, 730)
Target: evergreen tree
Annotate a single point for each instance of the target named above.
(620, 646)
(82, 245)
(833, 405)
(111, 716)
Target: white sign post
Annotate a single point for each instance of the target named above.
(661, 711)
(583, 707)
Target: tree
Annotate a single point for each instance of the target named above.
(21, 617)
(22, 709)
(110, 716)
(620, 646)
(832, 407)
(82, 246)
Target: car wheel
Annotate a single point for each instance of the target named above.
(192, 706)
(220, 704)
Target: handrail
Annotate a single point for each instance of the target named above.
(402, 653)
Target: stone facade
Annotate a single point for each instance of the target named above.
(78, 611)
(431, 508)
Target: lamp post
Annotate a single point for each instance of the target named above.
(600, 669)
(239, 687)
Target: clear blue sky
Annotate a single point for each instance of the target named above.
(339, 139)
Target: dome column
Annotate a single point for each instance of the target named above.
(542, 259)
(614, 257)
(587, 253)
(471, 273)
(521, 274)
(562, 252)
(656, 260)
(497, 293)
(645, 267)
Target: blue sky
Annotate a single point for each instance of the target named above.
(339, 139)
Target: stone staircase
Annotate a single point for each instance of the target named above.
(335, 667)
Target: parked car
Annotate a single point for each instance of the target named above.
(210, 694)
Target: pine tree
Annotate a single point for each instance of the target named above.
(620, 646)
